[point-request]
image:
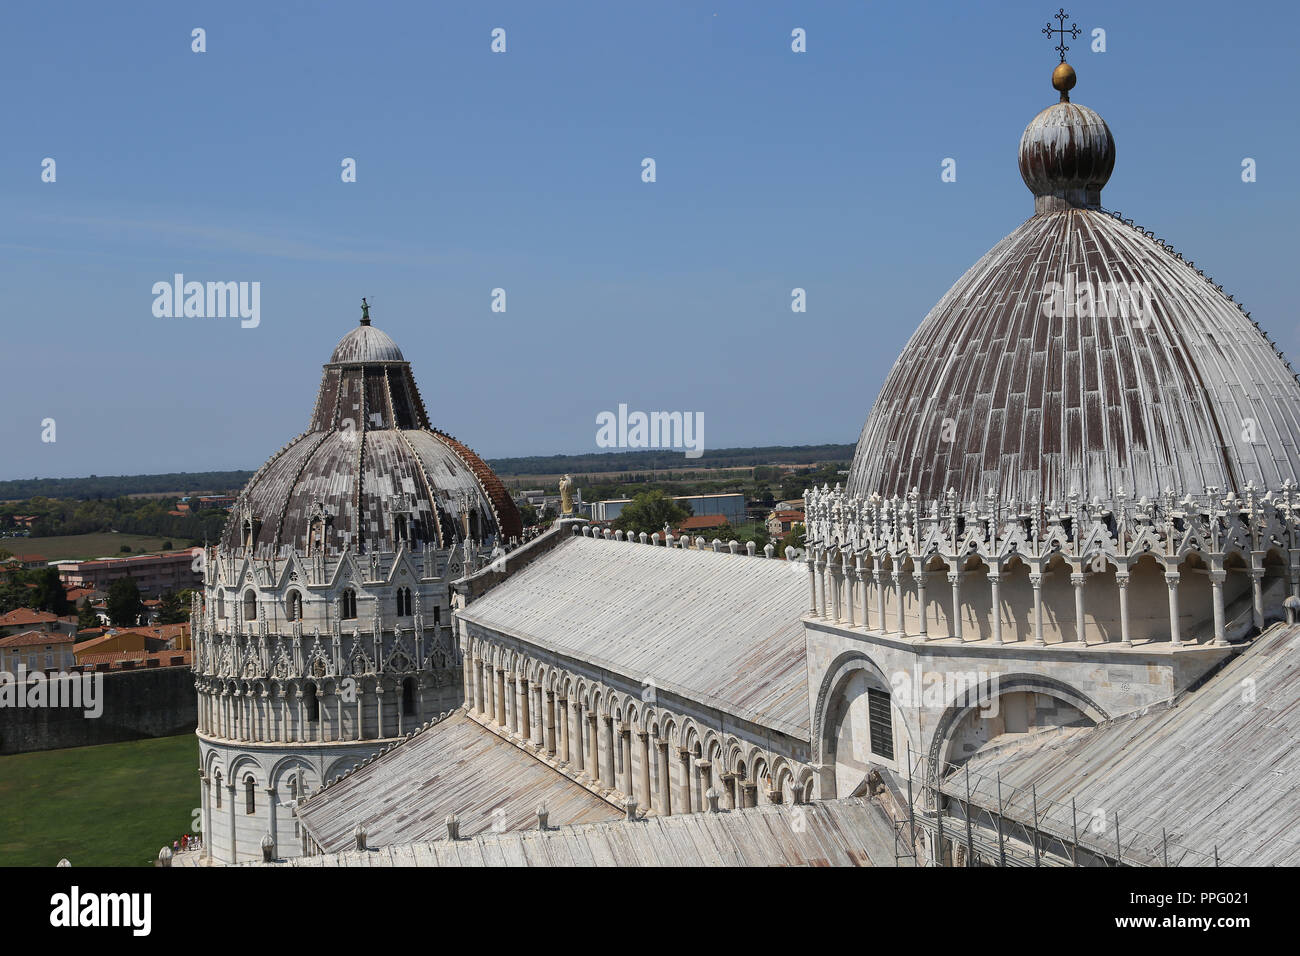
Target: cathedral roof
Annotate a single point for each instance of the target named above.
(1080, 355)
(723, 629)
(454, 766)
(370, 469)
(853, 831)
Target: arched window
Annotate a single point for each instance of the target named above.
(399, 529)
(250, 796)
(437, 614)
(250, 605)
(293, 606)
(403, 602)
(217, 779)
(408, 696)
(313, 704)
(349, 604)
(221, 605)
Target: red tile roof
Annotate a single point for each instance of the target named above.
(23, 616)
(34, 638)
(116, 658)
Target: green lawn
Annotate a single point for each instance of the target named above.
(82, 546)
(111, 805)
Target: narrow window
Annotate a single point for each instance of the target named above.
(218, 782)
(294, 606)
(250, 606)
(437, 614)
(882, 730)
(349, 604)
(250, 796)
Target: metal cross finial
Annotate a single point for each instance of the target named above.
(1073, 32)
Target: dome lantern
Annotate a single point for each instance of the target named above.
(1067, 152)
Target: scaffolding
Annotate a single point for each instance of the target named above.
(963, 818)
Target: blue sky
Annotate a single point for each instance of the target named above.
(522, 171)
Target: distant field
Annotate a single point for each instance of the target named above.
(112, 805)
(103, 545)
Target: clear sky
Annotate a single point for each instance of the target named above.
(523, 170)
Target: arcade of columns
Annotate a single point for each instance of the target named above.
(589, 733)
(277, 712)
(852, 543)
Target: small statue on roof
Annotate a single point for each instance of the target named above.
(365, 312)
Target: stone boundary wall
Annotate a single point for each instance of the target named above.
(153, 702)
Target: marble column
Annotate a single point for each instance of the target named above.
(898, 597)
(501, 697)
(850, 591)
(705, 769)
(1121, 580)
(995, 583)
(593, 748)
(612, 778)
(1077, 579)
(1171, 579)
(539, 700)
(1216, 584)
(821, 578)
(625, 755)
(1257, 596)
(923, 627)
(684, 800)
(524, 716)
(836, 581)
(812, 585)
(665, 779)
(644, 737)
(954, 625)
(562, 728)
(863, 574)
(879, 575)
(1036, 582)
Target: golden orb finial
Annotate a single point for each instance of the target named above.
(1063, 79)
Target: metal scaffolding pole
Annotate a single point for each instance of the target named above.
(1034, 788)
(970, 843)
(1002, 846)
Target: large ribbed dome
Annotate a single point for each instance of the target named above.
(370, 471)
(1081, 355)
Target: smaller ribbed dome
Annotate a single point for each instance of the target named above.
(366, 343)
(1067, 152)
